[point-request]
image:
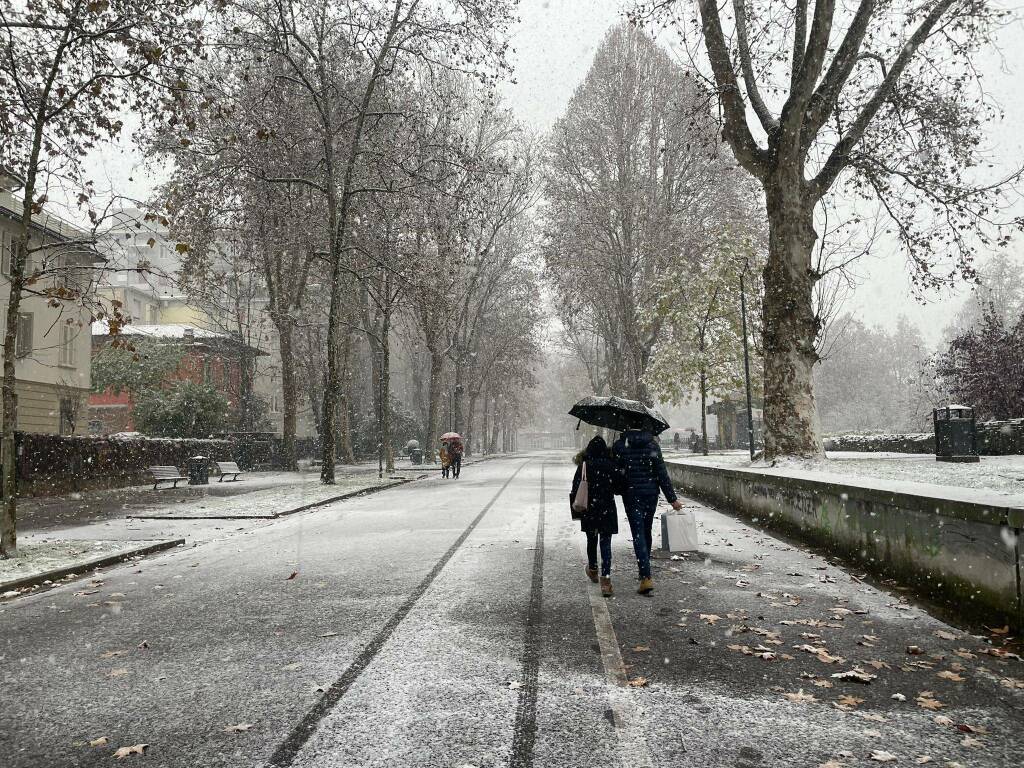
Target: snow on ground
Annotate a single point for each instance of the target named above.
(40, 556)
(266, 502)
(1003, 475)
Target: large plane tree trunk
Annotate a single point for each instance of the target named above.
(790, 326)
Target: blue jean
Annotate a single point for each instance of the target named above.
(606, 551)
(640, 513)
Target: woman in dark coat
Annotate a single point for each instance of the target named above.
(601, 520)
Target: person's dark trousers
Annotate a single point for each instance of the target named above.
(456, 465)
(606, 551)
(640, 513)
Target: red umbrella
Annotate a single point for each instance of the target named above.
(451, 436)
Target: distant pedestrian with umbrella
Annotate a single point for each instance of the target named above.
(638, 457)
(452, 445)
(592, 501)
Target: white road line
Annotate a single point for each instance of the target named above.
(633, 750)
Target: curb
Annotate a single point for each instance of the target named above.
(312, 505)
(88, 565)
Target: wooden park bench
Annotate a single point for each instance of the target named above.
(228, 468)
(166, 475)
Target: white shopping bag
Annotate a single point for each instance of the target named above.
(679, 531)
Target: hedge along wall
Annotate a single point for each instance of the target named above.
(49, 465)
(995, 438)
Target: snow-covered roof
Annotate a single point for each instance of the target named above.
(50, 224)
(160, 331)
(176, 331)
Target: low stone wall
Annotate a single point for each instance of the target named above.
(995, 438)
(949, 545)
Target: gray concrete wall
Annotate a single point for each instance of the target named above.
(948, 545)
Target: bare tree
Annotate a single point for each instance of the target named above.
(634, 165)
(881, 99)
(68, 70)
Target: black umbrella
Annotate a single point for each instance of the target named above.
(619, 414)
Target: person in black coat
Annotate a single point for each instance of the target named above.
(601, 520)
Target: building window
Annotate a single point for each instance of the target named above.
(23, 345)
(67, 416)
(67, 345)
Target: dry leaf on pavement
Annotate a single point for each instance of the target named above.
(240, 728)
(99, 742)
(294, 574)
(943, 720)
(638, 682)
(926, 700)
(799, 696)
(135, 749)
(943, 634)
(881, 756)
(1004, 630)
(849, 701)
(856, 675)
(710, 618)
(947, 675)
(922, 759)
(641, 648)
(970, 741)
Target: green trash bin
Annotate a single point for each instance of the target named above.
(956, 434)
(199, 470)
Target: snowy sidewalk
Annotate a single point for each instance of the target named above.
(755, 652)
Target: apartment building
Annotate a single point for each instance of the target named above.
(54, 342)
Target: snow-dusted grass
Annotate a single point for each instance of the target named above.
(42, 556)
(266, 502)
(1003, 475)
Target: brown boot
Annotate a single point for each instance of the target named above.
(646, 586)
(592, 573)
(606, 586)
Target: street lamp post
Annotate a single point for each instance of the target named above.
(746, 363)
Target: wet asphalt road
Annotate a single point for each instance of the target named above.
(449, 624)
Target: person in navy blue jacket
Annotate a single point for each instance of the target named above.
(639, 458)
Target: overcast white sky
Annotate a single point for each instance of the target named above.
(554, 46)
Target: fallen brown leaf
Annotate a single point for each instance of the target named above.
(849, 701)
(641, 648)
(943, 634)
(799, 697)
(1003, 630)
(135, 749)
(294, 574)
(881, 756)
(856, 675)
(947, 675)
(927, 702)
(638, 682)
(100, 741)
(710, 618)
